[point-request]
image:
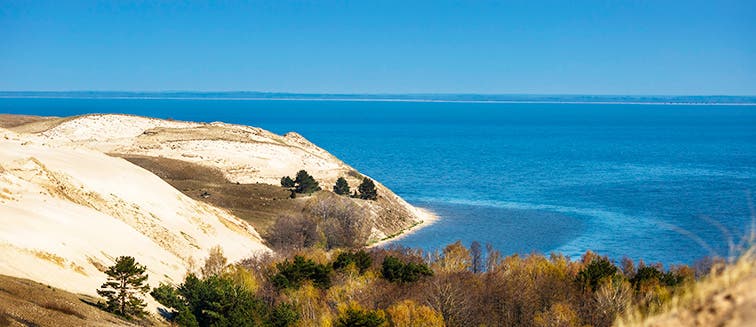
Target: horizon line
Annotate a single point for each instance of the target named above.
(385, 93)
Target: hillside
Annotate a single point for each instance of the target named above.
(224, 156)
(67, 212)
(27, 303)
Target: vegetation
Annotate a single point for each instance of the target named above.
(127, 281)
(219, 301)
(287, 182)
(360, 260)
(367, 189)
(394, 270)
(293, 274)
(354, 316)
(341, 187)
(457, 286)
(305, 184)
(328, 221)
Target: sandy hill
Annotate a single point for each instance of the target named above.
(242, 154)
(66, 212)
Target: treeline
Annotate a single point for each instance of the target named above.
(458, 286)
(304, 183)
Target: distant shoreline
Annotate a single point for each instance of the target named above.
(699, 100)
(393, 100)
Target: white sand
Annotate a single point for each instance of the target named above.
(66, 211)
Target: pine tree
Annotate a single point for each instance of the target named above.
(341, 187)
(367, 189)
(126, 281)
(287, 182)
(305, 183)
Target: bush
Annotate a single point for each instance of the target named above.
(367, 189)
(292, 274)
(361, 260)
(304, 183)
(341, 187)
(394, 270)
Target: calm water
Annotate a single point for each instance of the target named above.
(643, 181)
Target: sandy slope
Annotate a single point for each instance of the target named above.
(65, 213)
(244, 154)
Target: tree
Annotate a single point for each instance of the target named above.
(293, 233)
(213, 301)
(456, 258)
(597, 270)
(215, 262)
(394, 270)
(476, 254)
(126, 282)
(341, 187)
(408, 313)
(354, 316)
(367, 189)
(304, 183)
(361, 260)
(292, 274)
(287, 182)
(344, 223)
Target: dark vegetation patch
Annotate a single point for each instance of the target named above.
(258, 204)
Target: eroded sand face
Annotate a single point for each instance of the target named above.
(67, 212)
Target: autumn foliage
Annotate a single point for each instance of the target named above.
(457, 286)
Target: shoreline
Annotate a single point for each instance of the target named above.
(427, 218)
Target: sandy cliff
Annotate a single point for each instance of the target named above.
(243, 154)
(66, 212)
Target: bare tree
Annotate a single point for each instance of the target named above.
(215, 262)
(476, 254)
(344, 223)
(293, 233)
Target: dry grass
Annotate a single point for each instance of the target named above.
(10, 121)
(27, 303)
(258, 204)
(724, 298)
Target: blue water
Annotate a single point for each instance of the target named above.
(655, 182)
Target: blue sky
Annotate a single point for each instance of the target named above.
(537, 47)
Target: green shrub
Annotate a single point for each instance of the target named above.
(292, 274)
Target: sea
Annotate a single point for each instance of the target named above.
(658, 181)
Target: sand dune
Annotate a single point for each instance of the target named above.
(66, 212)
(243, 154)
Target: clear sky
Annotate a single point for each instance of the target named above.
(538, 47)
